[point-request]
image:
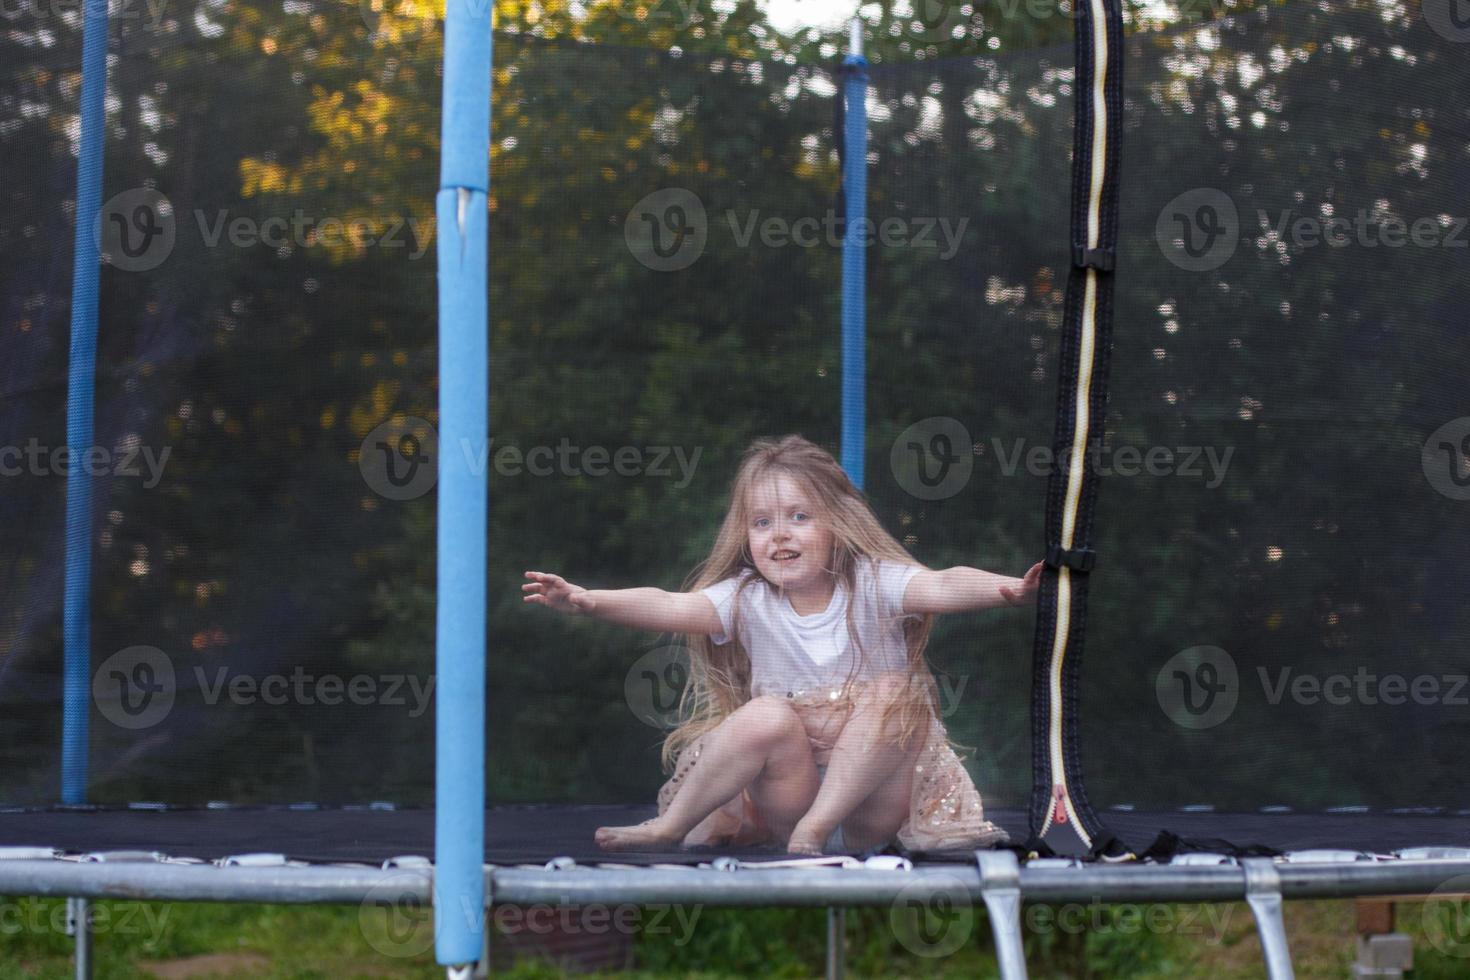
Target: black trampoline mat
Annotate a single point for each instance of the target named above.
(537, 834)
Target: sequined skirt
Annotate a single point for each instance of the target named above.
(945, 809)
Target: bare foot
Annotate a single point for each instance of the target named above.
(646, 836)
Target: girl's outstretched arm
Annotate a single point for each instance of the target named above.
(965, 589)
(643, 608)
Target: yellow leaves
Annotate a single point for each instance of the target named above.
(329, 416)
(263, 177)
(1421, 128)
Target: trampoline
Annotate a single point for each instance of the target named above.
(1179, 312)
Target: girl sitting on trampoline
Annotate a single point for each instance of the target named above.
(810, 714)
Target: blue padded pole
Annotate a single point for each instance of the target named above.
(76, 604)
(461, 207)
(854, 259)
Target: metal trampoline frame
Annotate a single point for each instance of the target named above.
(998, 880)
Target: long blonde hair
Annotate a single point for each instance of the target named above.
(719, 678)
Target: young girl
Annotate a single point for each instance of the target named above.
(811, 716)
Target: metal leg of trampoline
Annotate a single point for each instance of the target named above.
(482, 968)
(836, 942)
(1000, 884)
(79, 925)
(1263, 894)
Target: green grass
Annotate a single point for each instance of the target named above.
(138, 941)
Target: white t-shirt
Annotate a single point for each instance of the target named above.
(790, 653)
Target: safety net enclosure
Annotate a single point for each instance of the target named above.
(1265, 558)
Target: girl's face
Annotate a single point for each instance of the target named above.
(791, 545)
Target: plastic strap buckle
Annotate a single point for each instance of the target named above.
(1077, 559)
(1101, 259)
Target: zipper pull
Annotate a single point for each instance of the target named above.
(1059, 804)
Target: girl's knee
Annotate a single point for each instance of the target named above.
(767, 719)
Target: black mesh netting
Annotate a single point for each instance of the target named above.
(1277, 618)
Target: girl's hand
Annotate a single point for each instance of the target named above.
(555, 592)
(1026, 587)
